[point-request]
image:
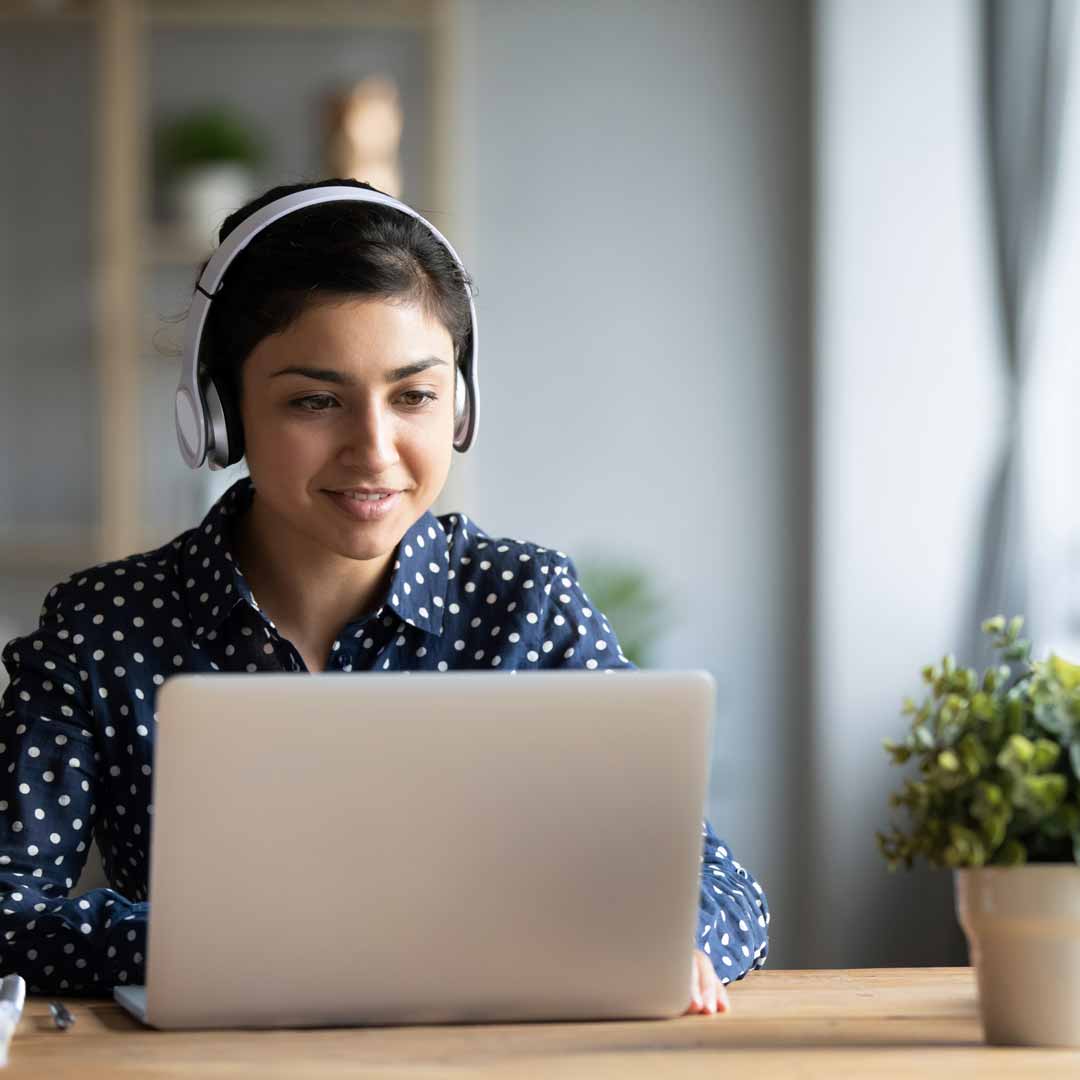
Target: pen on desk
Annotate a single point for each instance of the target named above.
(61, 1016)
(12, 998)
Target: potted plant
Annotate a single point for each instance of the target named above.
(997, 800)
(206, 159)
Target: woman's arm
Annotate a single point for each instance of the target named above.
(48, 784)
(733, 915)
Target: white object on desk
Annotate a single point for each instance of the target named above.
(12, 998)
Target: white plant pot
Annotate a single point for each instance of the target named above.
(202, 198)
(1023, 929)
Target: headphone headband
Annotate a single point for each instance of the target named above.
(200, 434)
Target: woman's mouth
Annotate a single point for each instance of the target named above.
(364, 505)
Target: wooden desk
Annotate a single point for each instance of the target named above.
(891, 1022)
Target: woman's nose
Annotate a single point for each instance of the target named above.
(371, 446)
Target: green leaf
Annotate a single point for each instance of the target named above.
(1012, 853)
(1014, 715)
(899, 754)
(1016, 754)
(1067, 674)
(1046, 755)
(1041, 794)
(989, 798)
(1051, 717)
(1064, 821)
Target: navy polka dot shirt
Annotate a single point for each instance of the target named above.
(77, 720)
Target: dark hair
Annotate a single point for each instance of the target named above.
(328, 252)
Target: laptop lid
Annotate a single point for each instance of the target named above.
(337, 849)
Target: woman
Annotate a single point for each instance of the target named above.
(339, 354)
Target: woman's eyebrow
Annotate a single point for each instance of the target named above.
(331, 375)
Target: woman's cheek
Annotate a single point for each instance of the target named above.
(289, 445)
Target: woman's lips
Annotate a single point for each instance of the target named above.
(365, 509)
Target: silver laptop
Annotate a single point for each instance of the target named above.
(344, 850)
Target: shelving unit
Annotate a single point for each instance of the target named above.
(128, 249)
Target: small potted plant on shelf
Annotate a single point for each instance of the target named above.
(997, 800)
(206, 160)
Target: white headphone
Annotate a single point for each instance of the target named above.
(207, 419)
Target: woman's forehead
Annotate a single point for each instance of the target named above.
(358, 333)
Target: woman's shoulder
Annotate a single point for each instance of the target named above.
(90, 602)
(524, 593)
(93, 612)
(160, 573)
(520, 580)
(468, 544)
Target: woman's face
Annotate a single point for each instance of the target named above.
(356, 393)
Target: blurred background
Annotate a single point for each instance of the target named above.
(777, 337)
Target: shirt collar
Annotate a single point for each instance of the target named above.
(417, 592)
(213, 583)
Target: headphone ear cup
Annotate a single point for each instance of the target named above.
(228, 431)
(460, 397)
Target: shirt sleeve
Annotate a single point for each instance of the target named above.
(572, 633)
(733, 914)
(48, 786)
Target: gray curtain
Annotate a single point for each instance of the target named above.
(1024, 61)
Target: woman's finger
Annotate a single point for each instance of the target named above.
(710, 983)
(697, 1002)
(706, 982)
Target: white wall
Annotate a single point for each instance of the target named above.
(906, 406)
(632, 204)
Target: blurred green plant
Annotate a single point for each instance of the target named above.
(209, 135)
(998, 762)
(624, 593)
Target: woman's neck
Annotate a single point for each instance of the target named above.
(308, 592)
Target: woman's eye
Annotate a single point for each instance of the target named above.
(418, 398)
(314, 403)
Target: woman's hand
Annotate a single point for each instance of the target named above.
(707, 993)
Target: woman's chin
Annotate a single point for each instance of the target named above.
(364, 543)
